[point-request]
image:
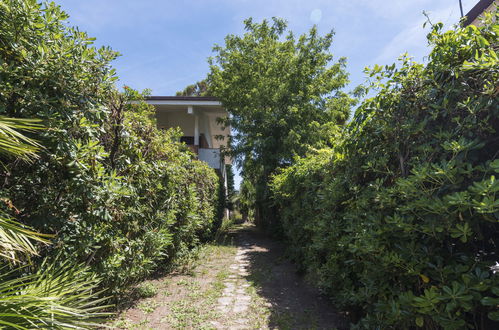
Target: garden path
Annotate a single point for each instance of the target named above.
(244, 282)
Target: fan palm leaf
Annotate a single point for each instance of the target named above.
(16, 239)
(13, 142)
(57, 296)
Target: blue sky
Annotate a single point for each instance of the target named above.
(165, 44)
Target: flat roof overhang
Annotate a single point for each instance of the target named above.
(184, 100)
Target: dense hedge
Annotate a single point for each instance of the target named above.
(120, 195)
(398, 222)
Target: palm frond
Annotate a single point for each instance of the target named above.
(16, 239)
(58, 296)
(13, 142)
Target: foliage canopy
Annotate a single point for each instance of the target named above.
(283, 96)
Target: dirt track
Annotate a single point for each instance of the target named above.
(242, 283)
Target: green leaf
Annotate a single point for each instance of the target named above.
(489, 301)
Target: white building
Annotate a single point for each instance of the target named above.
(197, 117)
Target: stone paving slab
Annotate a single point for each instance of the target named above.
(234, 298)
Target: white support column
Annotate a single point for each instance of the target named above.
(196, 130)
(207, 130)
(190, 111)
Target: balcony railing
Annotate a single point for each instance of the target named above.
(211, 156)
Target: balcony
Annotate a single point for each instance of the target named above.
(211, 156)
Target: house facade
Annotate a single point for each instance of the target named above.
(197, 118)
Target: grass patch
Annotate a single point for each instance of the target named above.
(183, 314)
(260, 274)
(259, 311)
(146, 290)
(189, 301)
(127, 324)
(148, 306)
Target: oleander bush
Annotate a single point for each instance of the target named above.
(120, 195)
(398, 221)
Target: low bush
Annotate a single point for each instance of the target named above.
(398, 222)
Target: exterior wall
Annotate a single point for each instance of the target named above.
(176, 119)
(216, 129)
(208, 125)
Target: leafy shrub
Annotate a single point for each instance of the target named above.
(58, 295)
(121, 196)
(398, 222)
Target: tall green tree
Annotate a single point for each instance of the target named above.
(200, 88)
(284, 96)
